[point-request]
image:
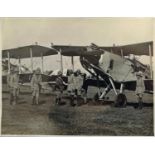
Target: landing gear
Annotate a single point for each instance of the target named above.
(57, 101)
(120, 101)
(72, 101)
(96, 97)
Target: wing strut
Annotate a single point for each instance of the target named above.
(42, 63)
(31, 56)
(151, 74)
(122, 53)
(72, 61)
(8, 62)
(19, 65)
(61, 61)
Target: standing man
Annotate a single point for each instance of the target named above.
(70, 87)
(59, 87)
(36, 86)
(140, 88)
(13, 84)
(78, 82)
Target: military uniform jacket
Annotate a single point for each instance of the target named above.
(36, 81)
(70, 82)
(78, 82)
(13, 81)
(140, 87)
(59, 83)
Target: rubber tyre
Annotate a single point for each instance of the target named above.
(121, 100)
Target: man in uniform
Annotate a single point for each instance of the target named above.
(78, 82)
(70, 87)
(13, 84)
(140, 88)
(59, 87)
(36, 86)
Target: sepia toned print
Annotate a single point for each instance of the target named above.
(77, 76)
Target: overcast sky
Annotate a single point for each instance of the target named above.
(18, 32)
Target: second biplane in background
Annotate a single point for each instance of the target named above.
(31, 51)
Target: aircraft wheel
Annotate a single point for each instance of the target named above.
(121, 100)
(72, 101)
(96, 97)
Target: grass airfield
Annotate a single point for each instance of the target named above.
(49, 119)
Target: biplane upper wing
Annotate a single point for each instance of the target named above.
(24, 52)
(136, 49)
(76, 50)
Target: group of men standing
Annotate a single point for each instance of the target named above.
(74, 86)
(13, 84)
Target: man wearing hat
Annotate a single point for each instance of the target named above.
(140, 88)
(36, 86)
(70, 87)
(59, 87)
(13, 84)
(78, 82)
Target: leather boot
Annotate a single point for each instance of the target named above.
(33, 100)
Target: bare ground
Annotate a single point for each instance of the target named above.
(48, 119)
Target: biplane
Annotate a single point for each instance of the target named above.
(115, 72)
(31, 51)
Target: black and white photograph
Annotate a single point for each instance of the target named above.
(77, 76)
